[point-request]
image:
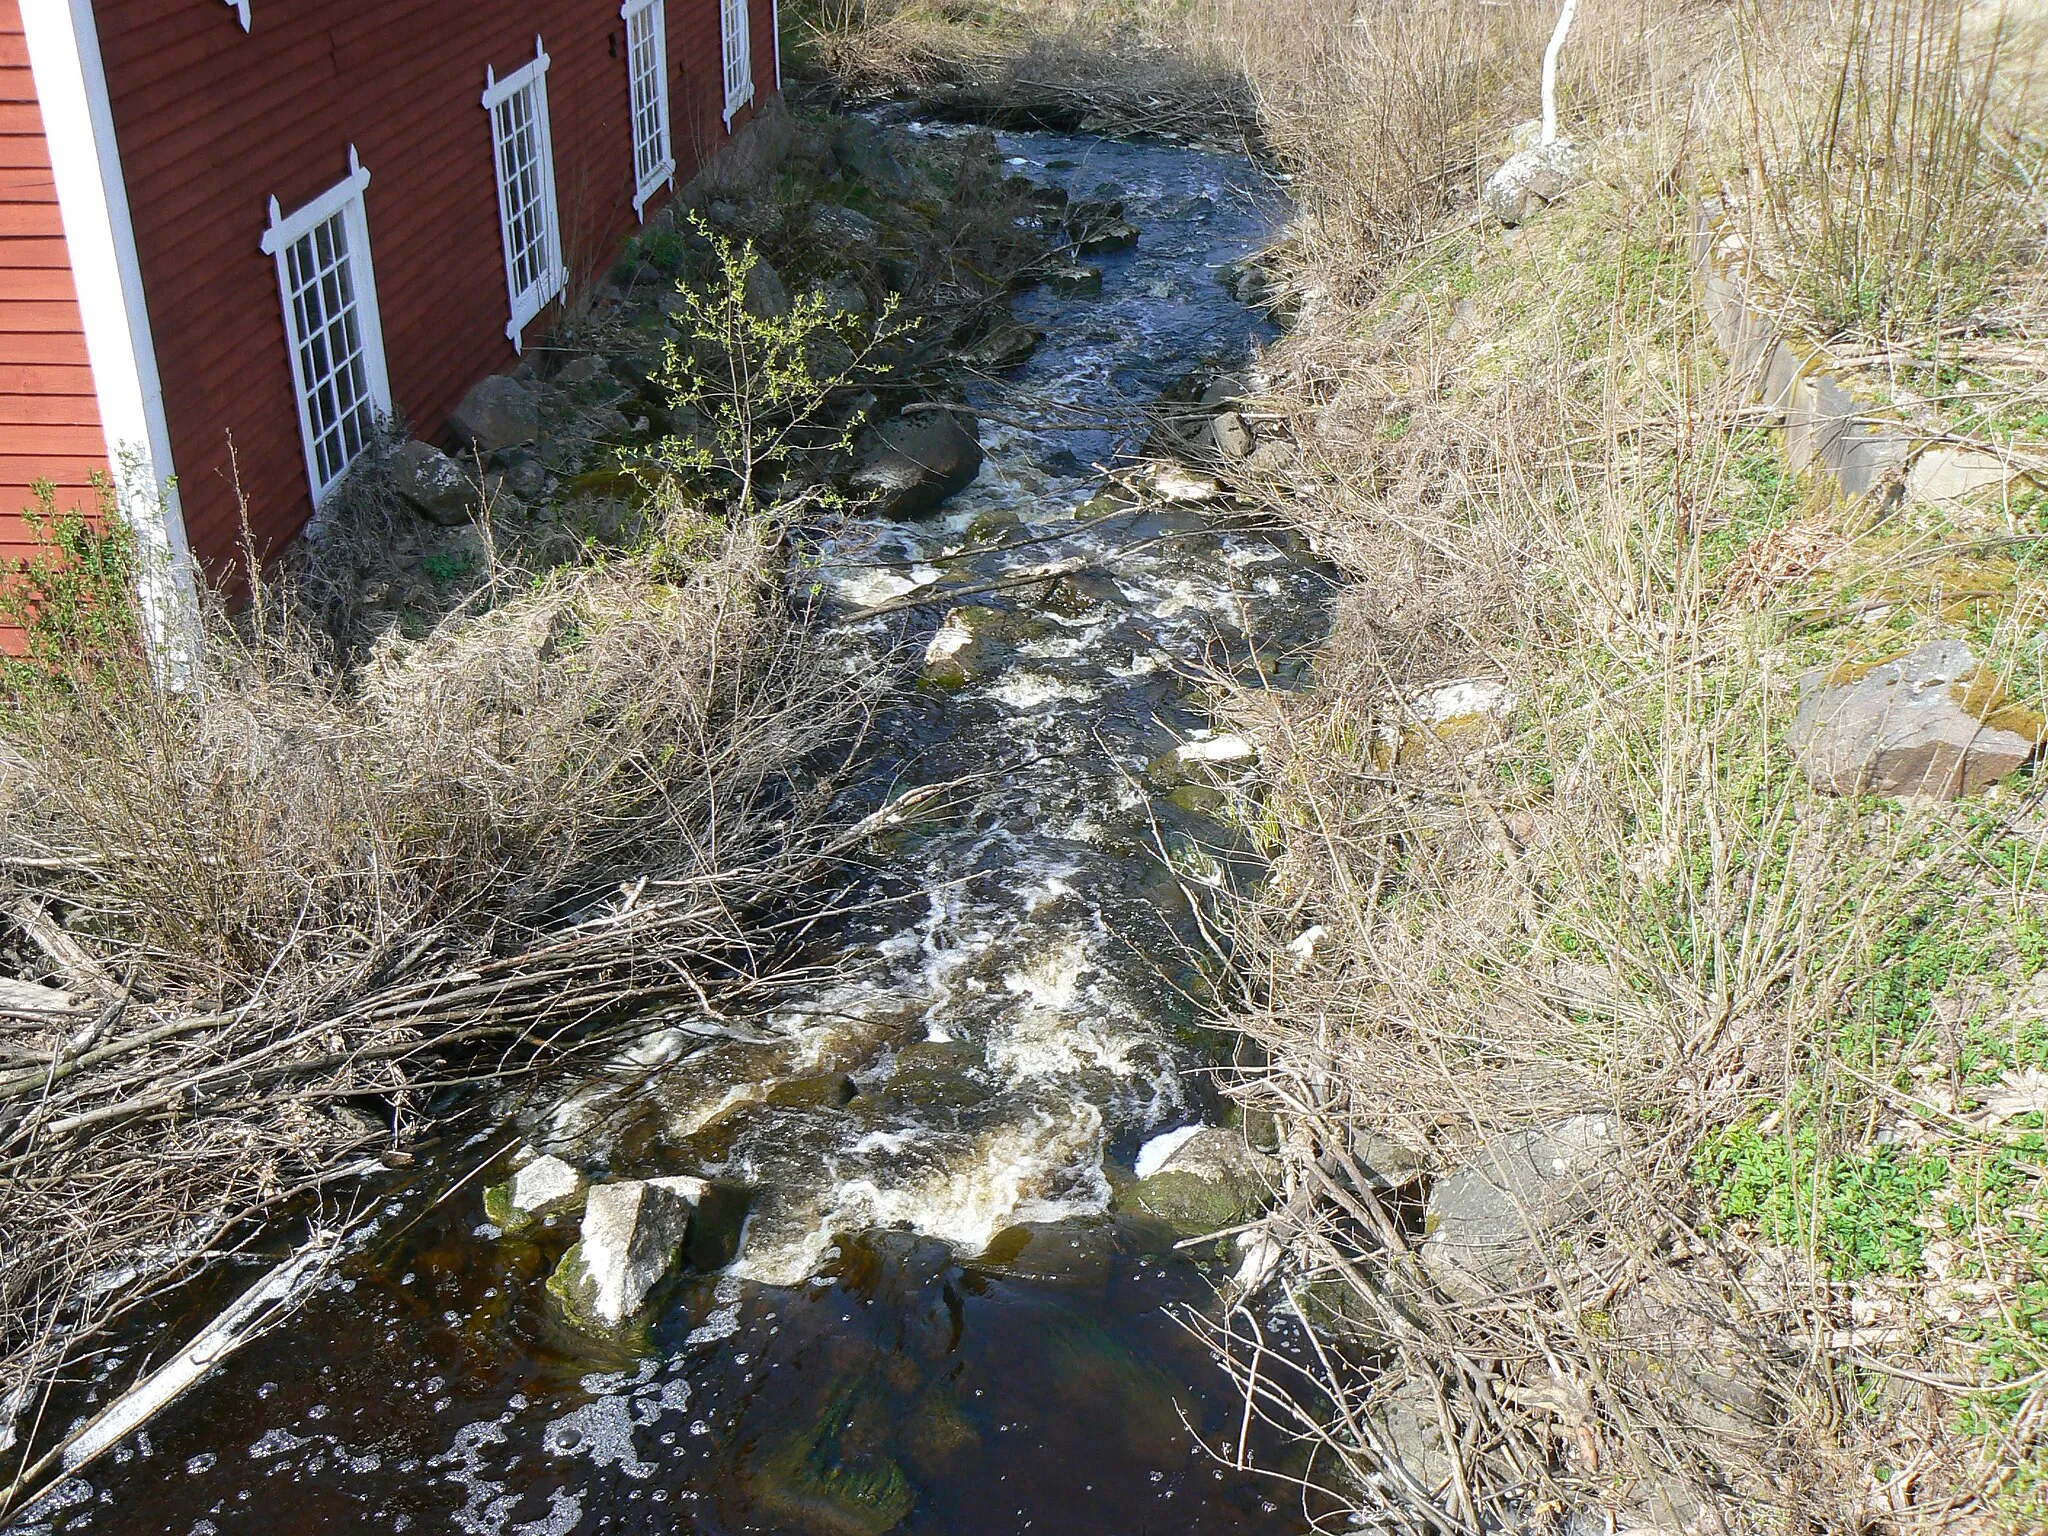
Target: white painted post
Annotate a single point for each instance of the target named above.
(1564, 25)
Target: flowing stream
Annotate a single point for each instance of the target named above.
(939, 1316)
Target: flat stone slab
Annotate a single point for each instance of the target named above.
(1933, 723)
(1482, 1224)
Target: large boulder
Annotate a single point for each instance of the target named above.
(1004, 346)
(840, 228)
(545, 1187)
(912, 464)
(433, 484)
(859, 149)
(632, 1232)
(766, 295)
(1482, 1224)
(1933, 723)
(1529, 179)
(1210, 1181)
(498, 412)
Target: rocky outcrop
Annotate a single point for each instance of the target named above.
(433, 484)
(1530, 179)
(1933, 723)
(910, 465)
(1212, 1180)
(498, 412)
(1482, 1224)
(545, 1187)
(632, 1233)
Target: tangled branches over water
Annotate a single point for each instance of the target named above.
(269, 915)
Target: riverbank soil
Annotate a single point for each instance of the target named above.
(1647, 990)
(529, 738)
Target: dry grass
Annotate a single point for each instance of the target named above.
(294, 899)
(1798, 1305)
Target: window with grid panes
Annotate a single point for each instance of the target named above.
(739, 57)
(524, 151)
(331, 322)
(654, 163)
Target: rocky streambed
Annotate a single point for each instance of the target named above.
(898, 1251)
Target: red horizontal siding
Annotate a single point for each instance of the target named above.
(214, 122)
(49, 418)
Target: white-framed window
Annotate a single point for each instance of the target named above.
(739, 57)
(525, 154)
(330, 320)
(654, 160)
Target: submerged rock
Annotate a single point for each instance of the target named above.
(545, 1187)
(433, 484)
(835, 1476)
(1482, 1224)
(914, 463)
(1530, 179)
(1210, 1181)
(1933, 723)
(632, 1232)
(498, 412)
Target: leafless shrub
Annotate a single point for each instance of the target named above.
(298, 885)
(1888, 150)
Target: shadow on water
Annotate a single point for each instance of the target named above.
(939, 1317)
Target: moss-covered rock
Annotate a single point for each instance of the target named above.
(1212, 1181)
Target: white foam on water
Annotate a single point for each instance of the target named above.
(1031, 690)
(565, 1513)
(1061, 647)
(1042, 1165)
(601, 1430)
(891, 1143)
(1050, 978)
(952, 638)
(1153, 1155)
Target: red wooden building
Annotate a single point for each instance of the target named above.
(233, 233)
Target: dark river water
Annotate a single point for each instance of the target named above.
(939, 1316)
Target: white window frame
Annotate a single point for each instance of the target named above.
(737, 50)
(547, 286)
(345, 197)
(648, 19)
